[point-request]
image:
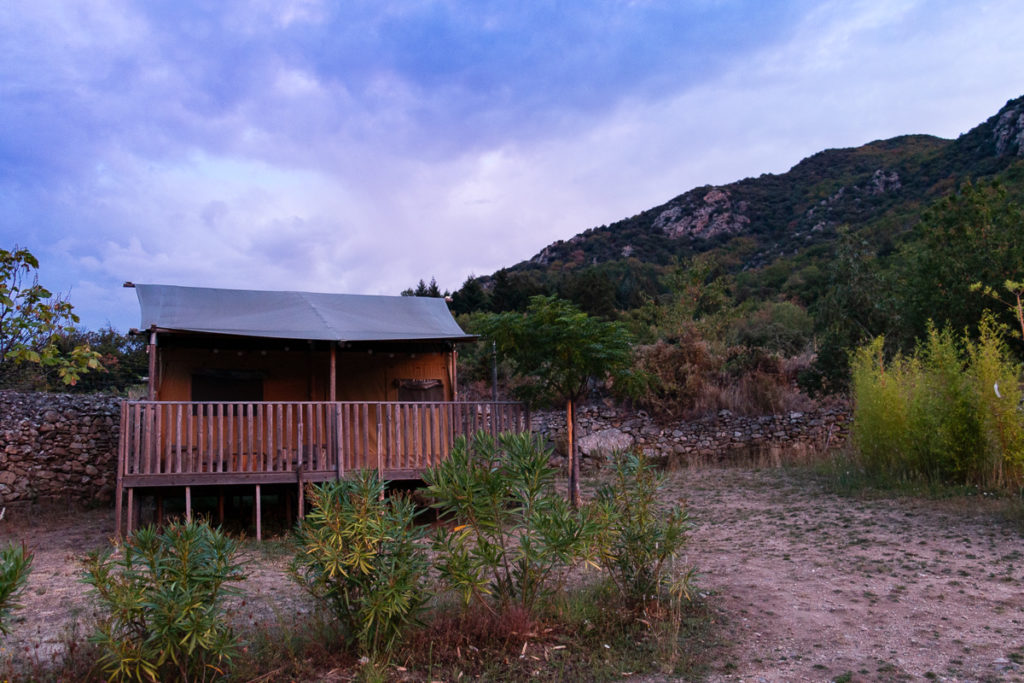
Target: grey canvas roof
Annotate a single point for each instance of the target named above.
(297, 315)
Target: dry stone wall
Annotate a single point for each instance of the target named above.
(57, 447)
(718, 439)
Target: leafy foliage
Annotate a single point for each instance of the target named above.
(15, 567)
(969, 238)
(161, 602)
(32, 320)
(511, 538)
(558, 350)
(640, 537)
(122, 359)
(359, 553)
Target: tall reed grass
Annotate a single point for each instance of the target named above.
(948, 413)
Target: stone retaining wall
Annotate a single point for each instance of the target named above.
(57, 447)
(722, 438)
(63, 447)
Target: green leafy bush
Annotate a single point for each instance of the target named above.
(359, 553)
(161, 600)
(640, 535)
(15, 566)
(511, 538)
(948, 413)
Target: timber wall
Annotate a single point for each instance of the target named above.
(303, 376)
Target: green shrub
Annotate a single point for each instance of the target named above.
(640, 535)
(359, 554)
(947, 414)
(15, 566)
(161, 602)
(512, 537)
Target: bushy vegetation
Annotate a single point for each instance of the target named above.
(161, 600)
(15, 567)
(359, 554)
(509, 538)
(641, 536)
(948, 412)
(518, 585)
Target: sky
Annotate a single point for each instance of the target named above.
(358, 146)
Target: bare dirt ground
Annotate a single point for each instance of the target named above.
(812, 586)
(806, 585)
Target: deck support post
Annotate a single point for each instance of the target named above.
(259, 515)
(131, 512)
(118, 510)
(188, 503)
(302, 496)
(151, 350)
(122, 465)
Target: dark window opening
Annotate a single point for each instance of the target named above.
(420, 389)
(227, 385)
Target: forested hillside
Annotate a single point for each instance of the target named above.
(785, 273)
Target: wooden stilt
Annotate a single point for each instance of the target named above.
(122, 456)
(118, 509)
(131, 512)
(259, 515)
(188, 503)
(302, 496)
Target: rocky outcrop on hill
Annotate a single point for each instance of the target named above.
(702, 214)
(1009, 131)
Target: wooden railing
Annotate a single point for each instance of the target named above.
(170, 443)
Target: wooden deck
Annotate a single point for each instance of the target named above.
(186, 444)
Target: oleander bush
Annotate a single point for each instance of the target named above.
(161, 599)
(641, 537)
(359, 554)
(15, 567)
(510, 538)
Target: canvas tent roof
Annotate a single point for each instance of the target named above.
(297, 315)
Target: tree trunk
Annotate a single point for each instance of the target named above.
(574, 460)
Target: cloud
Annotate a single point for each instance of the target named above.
(362, 146)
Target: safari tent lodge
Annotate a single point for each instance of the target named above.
(257, 388)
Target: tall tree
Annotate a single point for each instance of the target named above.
(857, 306)
(975, 237)
(471, 297)
(32, 321)
(558, 349)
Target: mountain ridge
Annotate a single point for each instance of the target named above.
(842, 186)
